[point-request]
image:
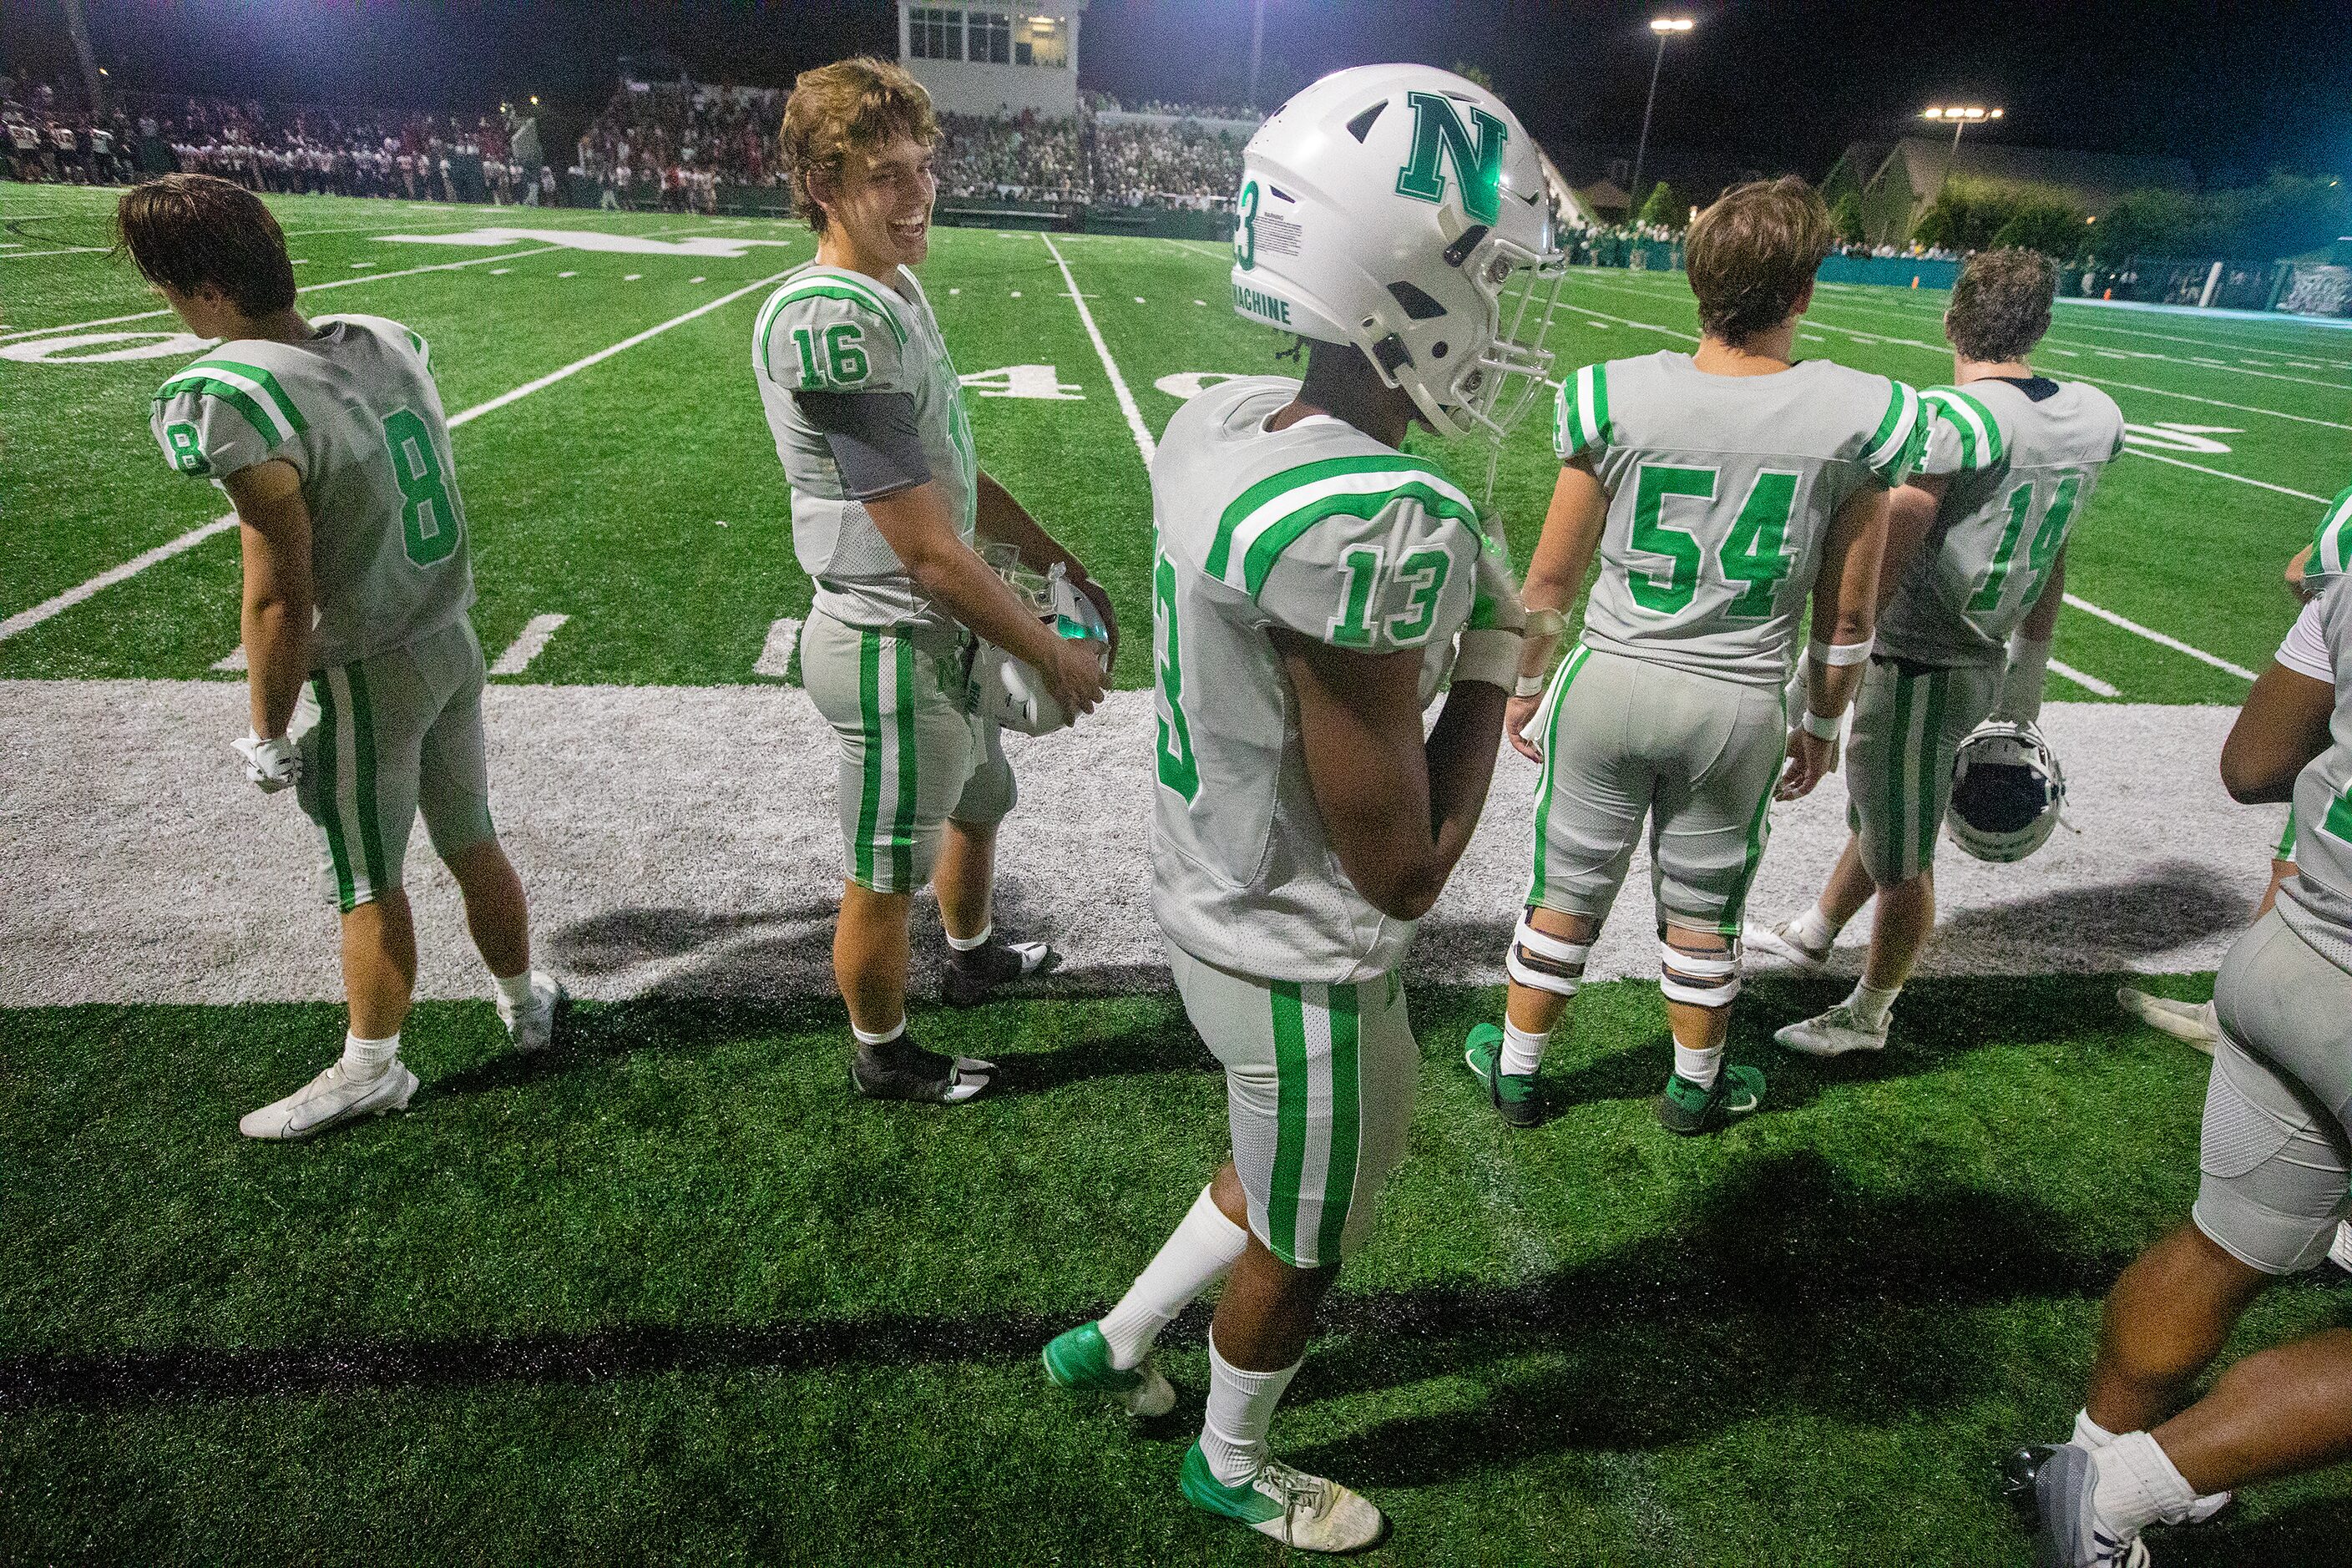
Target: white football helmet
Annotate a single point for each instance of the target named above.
(1390, 207)
(1010, 692)
(2007, 792)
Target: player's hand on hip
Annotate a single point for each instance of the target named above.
(1811, 759)
(1075, 678)
(272, 764)
(1518, 716)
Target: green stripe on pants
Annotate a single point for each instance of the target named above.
(1931, 751)
(1898, 755)
(364, 758)
(902, 825)
(1551, 746)
(330, 815)
(869, 709)
(1290, 1118)
(1339, 1173)
(1759, 828)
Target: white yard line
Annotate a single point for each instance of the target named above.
(2175, 643)
(306, 289)
(2087, 682)
(1143, 442)
(233, 662)
(25, 620)
(528, 643)
(576, 366)
(69, 250)
(2216, 473)
(775, 661)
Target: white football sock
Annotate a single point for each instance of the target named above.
(1240, 1414)
(973, 943)
(884, 1038)
(1203, 1247)
(365, 1059)
(1812, 931)
(514, 990)
(1702, 1065)
(2089, 1434)
(1523, 1050)
(1870, 1005)
(2138, 1484)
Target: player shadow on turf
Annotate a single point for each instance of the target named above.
(2171, 906)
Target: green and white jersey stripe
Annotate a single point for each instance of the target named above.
(1581, 413)
(1893, 450)
(353, 408)
(2331, 543)
(1976, 441)
(830, 330)
(2017, 472)
(1322, 531)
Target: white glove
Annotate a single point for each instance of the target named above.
(272, 764)
(1490, 643)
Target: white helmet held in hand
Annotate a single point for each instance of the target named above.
(1009, 691)
(1389, 207)
(2007, 792)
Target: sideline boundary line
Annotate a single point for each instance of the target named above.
(2175, 643)
(25, 620)
(1143, 441)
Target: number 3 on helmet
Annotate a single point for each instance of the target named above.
(1396, 208)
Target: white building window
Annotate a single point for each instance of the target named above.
(933, 34)
(1041, 41)
(990, 40)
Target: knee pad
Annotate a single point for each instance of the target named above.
(1699, 979)
(1542, 962)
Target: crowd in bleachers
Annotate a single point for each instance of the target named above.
(670, 145)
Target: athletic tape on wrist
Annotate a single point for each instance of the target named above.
(1489, 655)
(1819, 726)
(1840, 654)
(1699, 979)
(1542, 962)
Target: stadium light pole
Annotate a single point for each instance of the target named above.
(1961, 117)
(1665, 27)
(1257, 45)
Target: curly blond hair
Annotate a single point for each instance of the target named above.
(850, 106)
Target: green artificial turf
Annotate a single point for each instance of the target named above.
(670, 1293)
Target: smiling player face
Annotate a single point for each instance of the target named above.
(882, 211)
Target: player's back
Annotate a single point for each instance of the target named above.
(1320, 531)
(354, 409)
(2316, 901)
(1722, 489)
(2020, 460)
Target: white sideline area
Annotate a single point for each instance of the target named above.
(683, 840)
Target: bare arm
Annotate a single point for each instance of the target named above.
(918, 525)
(2041, 623)
(1398, 810)
(1563, 554)
(2281, 727)
(275, 531)
(1845, 613)
(1004, 519)
(1910, 517)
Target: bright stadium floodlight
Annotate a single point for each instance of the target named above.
(1961, 117)
(1665, 27)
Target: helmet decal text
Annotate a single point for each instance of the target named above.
(1438, 134)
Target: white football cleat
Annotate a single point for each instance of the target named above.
(1303, 1511)
(1780, 949)
(330, 1099)
(531, 1026)
(2192, 1021)
(1835, 1033)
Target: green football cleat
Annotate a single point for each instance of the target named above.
(1686, 1108)
(1514, 1096)
(1300, 1511)
(1079, 1361)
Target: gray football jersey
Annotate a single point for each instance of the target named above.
(828, 328)
(355, 410)
(1721, 491)
(2316, 901)
(2020, 474)
(1322, 531)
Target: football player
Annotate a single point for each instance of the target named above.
(888, 497)
(2314, 569)
(1975, 571)
(2276, 1170)
(1310, 581)
(1721, 489)
(365, 676)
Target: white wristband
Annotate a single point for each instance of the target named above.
(1819, 726)
(1531, 686)
(1840, 654)
(1489, 655)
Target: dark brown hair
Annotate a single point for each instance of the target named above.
(1753, 254)
(2000, 305)
(187, 230)
(850, 106)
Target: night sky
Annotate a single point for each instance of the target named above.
(1775, 86)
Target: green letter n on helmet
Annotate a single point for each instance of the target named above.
(1438, 134)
